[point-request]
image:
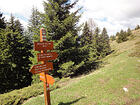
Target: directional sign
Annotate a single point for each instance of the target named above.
(38, 46)
(41, 68)
(50, 79)
(47, 56)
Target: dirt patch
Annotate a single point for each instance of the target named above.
(103, 81)
(132, 101)
(70, 81)
(134, 80)
(132, 83)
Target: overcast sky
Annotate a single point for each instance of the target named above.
(112, 14)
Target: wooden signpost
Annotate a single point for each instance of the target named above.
(43, 68)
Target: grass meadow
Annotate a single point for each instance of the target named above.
(105, 86)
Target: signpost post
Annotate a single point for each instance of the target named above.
(43, 68)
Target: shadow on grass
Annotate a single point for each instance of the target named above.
(72, 102)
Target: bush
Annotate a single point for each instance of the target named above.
(36, 79)
(66, 68)
(17, 97)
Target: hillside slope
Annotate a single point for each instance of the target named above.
(116, 83)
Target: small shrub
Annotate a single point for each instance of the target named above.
(17, 97)
(36, 79)
(66, 68)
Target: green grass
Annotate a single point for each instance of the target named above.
(105, 85)
(101, 87)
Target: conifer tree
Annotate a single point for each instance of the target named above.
(33, 31)
(61, 26)
(2, 22)
(34, 24)
(122, 37)
(86, 42)
(129, 32)
(117, 34)
(137, 27)
(95, 48)
(112, 37)
(86, 37)
(96, 38)
(15, 25)
(104, 41)
(14, 57)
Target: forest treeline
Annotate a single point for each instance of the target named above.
(80, 47)
(122, 36)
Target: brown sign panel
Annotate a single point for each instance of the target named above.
(47, 78)
(45, 45)
(41, 68)
(47, 56)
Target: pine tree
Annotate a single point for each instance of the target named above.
(11, 23)
(61, 26)
(122, 37)
(112, 37)
(117, 34)
(2, 22)
(14, 59)
(100, 45)
(15, 25)
(96, 38)
(34, 24)
(33, 32)
(137, 27)
(95, 48)
(86, 37)
(58, 20)
(86, 42)
(105, 43)
(129, 32)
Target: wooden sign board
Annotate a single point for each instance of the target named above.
(41, 68)
(47, 56)
(45, 45)
(50, 79)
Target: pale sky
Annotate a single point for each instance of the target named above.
(112, 14)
